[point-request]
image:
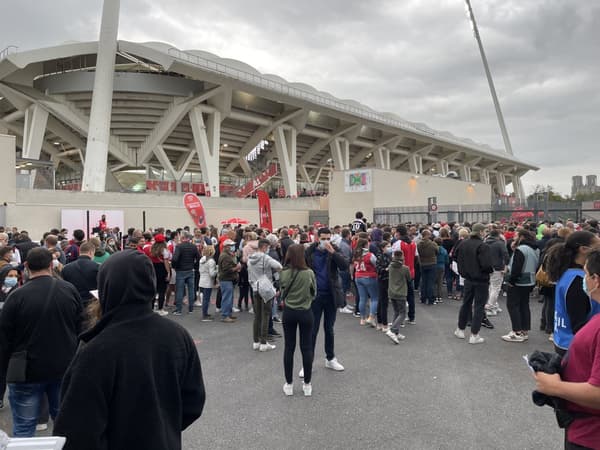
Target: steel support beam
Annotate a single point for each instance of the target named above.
(36, 119)
(340, 153)
(285, 146)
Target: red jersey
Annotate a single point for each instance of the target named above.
(364, 268)
(409, 249)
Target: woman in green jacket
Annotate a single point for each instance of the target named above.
(298, 289)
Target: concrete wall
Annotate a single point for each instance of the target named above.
(394, 189)
(8, 174)
(39, 210)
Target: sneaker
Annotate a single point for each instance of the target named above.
(177, 313)
(498, 310)
(162, 312)
(266, 347)
(491, 312)
(333, 364)
(347, 310)
(412, 322)
(371, 321)
(255, 345)
(356, 314)
(228, 320)
(288, 389)
(513, 337)
(301, 373)
(251, 311)
(197, 303)
(551, 338)
(393, 337)
(379, 327)
(385, 329)
(41, 427)
(459, 333)
(275, 333)
(218, 310)
(307, 388)
(525, 336)
(487, 324)
(363, 322)
(235, 310)
(476, 339)
(207, 318)
(402, 325)
(276, 319)
(400, 336)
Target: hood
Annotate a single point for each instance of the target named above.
(126, 277)
(4, 271)
(396, 263)
(203, 260)
(529, 243)
(255, 258)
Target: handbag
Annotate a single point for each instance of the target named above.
(16, 371)
(265, 287)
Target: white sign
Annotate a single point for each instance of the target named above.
(358, 181)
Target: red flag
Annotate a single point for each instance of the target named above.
(264, 210)
(194, 206)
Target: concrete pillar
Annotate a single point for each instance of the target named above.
(518, 188)
(94, 171)
(442, 167)
(340, 153)
(465, 173)
(382, 158)
(485, 176)
(8, 173)
(415, 163)
(500, 183)
(285, 146)
(207, 138)
(34, 130)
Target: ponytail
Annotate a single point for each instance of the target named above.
(562, 256)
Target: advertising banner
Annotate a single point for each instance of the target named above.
(194, 206)
(264, 210)
(358, 181)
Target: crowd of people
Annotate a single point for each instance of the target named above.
(108, 289)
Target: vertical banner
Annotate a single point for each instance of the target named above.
(264, 210)
(194, 206)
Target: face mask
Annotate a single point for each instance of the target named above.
(232, 248)
(322, 243)
(388, 250)
(10, 282)
(587, 291)
(55, 263)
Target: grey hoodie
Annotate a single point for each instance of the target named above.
(262, 264)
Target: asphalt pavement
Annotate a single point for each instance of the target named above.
(432, 391)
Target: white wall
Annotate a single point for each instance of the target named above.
(39, 210)
(399, 189)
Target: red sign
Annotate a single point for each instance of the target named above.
(194, 206)
(257, 182)
(597, 205)
(264, 210)
(281, 192)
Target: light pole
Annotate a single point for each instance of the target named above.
(517, 185)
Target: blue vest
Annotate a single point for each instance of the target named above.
(563, 332)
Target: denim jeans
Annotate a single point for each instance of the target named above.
(184, 278)
(324, 305)
(367, 288)
(226, 298)
(25, 400)
(206, 293)
(427, 282)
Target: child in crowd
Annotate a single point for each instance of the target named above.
(442, 261)
(399, 279)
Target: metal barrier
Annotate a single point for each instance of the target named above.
(10, 50)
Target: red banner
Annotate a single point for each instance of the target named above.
(257, 182)
(264, 210)
(194, 206)
(597, 205)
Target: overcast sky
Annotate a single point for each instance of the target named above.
(416, 58)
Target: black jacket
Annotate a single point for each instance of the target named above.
(498, 252)
(186, 256)
(50, 353)
(136, 381)
(336, 262)
(83, 274)
(285, 244)
(24, 246)
(474, 261)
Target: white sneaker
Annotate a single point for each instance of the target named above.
(307, 388)
(236, 310)
(41, 427)
(491, 312)
(498, 310)
(513, 337)
(334, 365)
(392, 336)
(301, 373)
(251, 311)
(401, 336)
(347, 310)
(255, 345)
(288, 389)
(476, 339)
(266, 347)
(197, 303)
(459, 333)
(162, 312)
(218, 310)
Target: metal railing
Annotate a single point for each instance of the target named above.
(329, 102)
(10, 50)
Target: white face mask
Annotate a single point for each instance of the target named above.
(586, 288)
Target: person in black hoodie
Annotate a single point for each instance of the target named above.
(136, 381)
